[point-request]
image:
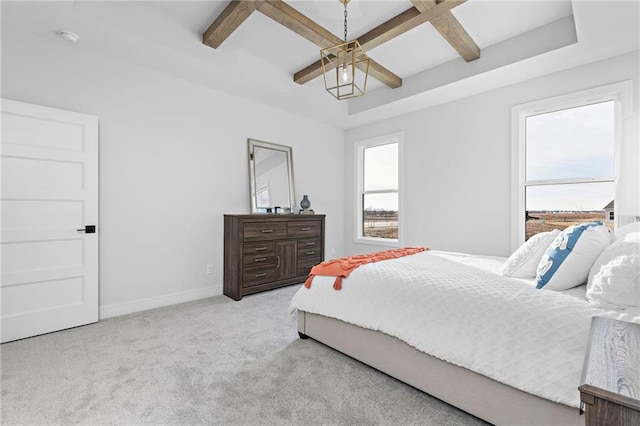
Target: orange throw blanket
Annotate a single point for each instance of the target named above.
(341, 268)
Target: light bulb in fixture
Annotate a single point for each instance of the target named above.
(345, 74)
(69, 37)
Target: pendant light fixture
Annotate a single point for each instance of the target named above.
(345, 67)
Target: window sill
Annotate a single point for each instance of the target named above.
(377, 242)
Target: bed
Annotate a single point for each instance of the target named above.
(452, 326)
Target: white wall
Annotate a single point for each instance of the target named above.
(173, 160)
(457, 161)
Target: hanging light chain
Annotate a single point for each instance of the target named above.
(345, 21)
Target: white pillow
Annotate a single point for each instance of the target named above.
(627, 229)
(524, 261)
(567, 261)
(614, 279)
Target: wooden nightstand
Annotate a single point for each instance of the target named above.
(610, 390)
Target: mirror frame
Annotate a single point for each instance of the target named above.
(254, 143)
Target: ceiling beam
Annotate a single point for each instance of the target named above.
(305, 27)
(406, 21)
(452, 31)
(290, 18)
(392, 28)
(310, 72)
(398, 25)
(383, 75)
(231, 17)
(376, 71)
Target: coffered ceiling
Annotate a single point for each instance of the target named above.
(261, 59)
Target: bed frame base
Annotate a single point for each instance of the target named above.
(479, 395)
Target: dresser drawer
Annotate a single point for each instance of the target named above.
(260, 231)
(259, 260)
(264, 248)
(255, 254)
(309, 248)
(305, 265)
(307, 228)
(258, 275)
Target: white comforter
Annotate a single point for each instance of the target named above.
(459, 309)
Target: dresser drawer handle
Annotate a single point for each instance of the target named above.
(263, 274)
(267, 231)
(310, 252)
(310, 266)
(306, 228)
(260, 259)
(261, 248)
(310, 244)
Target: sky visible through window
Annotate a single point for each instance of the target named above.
(381, 173)
(568, 144)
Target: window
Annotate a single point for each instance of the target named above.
(378, 190)
(564, 167)
(568, 166)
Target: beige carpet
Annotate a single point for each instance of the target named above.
(212, 361)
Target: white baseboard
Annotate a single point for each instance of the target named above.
(158, 301)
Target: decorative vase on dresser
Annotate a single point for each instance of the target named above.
(263, 252)
(305, 203)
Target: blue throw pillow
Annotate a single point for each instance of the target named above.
(567, 261)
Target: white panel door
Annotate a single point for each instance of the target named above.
(49, 195)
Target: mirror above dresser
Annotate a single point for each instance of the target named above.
(270, 177)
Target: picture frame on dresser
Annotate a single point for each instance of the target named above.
(264, 252)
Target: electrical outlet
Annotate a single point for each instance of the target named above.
(210, 269)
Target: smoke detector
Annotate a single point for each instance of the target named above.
(69, 37)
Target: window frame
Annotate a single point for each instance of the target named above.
(360, 146)
(619, 93)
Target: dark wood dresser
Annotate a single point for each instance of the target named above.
(610, 392)
(263, 252)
